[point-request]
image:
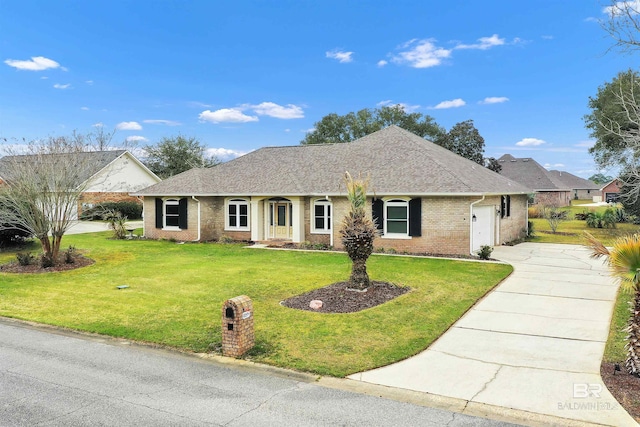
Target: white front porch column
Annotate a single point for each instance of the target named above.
(257, 219)
(297, 207)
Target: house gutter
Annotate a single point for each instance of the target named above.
(471, 224)
(199, 228)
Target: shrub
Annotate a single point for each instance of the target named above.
(225, 239)
(116, 222)
(581, 216)
(485, 252)
(70, 255)
(606, 219)
(46, 261)
(536, 211)
(25, 258)
(131, 210)
(12, 236)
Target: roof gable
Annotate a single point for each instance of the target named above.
(574, 182)
(397, 161)
(530, 173)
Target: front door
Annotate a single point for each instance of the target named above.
(482, 226)
(280, 220)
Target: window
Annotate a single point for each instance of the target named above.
(505, 206)
(171, 213)
(321, 217)
(237, 215)
(398, 218)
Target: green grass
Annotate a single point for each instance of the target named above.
(572, 231)
(176, 294)
(614, 350)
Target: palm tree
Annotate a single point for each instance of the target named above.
(624, 263)
(358, 231)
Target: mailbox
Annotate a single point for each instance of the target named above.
(237, 326)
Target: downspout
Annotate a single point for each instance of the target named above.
(199, 227)
(471, 223)
(330, 234)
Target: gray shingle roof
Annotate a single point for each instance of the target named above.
(574, 182)
(398, 162)
(92, 162)
(530, 173)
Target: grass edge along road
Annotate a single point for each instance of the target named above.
(176, 292)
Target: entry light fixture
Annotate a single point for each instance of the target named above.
(474, 218)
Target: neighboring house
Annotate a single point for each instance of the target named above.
(546, 187)
(109, 177)
(424, 198)
(581, 188)
(611, 191)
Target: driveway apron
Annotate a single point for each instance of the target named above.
(533, 344)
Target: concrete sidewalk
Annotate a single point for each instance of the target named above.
(80, 227)
(533, 344)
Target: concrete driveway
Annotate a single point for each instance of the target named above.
(533, 345)
(80, 227)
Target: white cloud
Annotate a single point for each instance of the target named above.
(585, 144)
(197, 104)
(406, 107)
(494, 100)
(484, 43)
(556, 165)
(84, 108)
(231, 115)
(60, 86)
(454, 103)
(339, 55)
(308, 130)
(128, 126)
(287, 130)
(89, 82)
(44, 78)
(421, 54)
(631, 7)
(162, 122)
(225, 153)
(591, 19)
(36, 63)
(136, 138)
(272, 109)
(382, 63)
(530, 142)
(547, 37)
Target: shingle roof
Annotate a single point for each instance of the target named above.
(574, 182)
(92, 162)
(530, 173)
(398, 162)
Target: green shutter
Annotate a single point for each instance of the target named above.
(159, 212)
(415, 217)
(182, 212)
(377, 212)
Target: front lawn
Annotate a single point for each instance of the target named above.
(176, 292)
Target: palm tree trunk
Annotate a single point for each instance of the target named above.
(359, 278)
(633, 336)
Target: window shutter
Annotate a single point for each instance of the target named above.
(508, 205)
(503, 206)
(415, 217)
(377, 213)
(159, 212)
(182, 212)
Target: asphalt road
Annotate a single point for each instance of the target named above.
(50, 378)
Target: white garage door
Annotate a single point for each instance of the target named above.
(482, 227)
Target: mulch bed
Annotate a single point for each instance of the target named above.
(337, 298)
(624, 387)
(79, 262)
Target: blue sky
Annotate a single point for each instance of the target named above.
(240, 75)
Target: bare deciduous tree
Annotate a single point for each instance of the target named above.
(623, 24)
(43, 182)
